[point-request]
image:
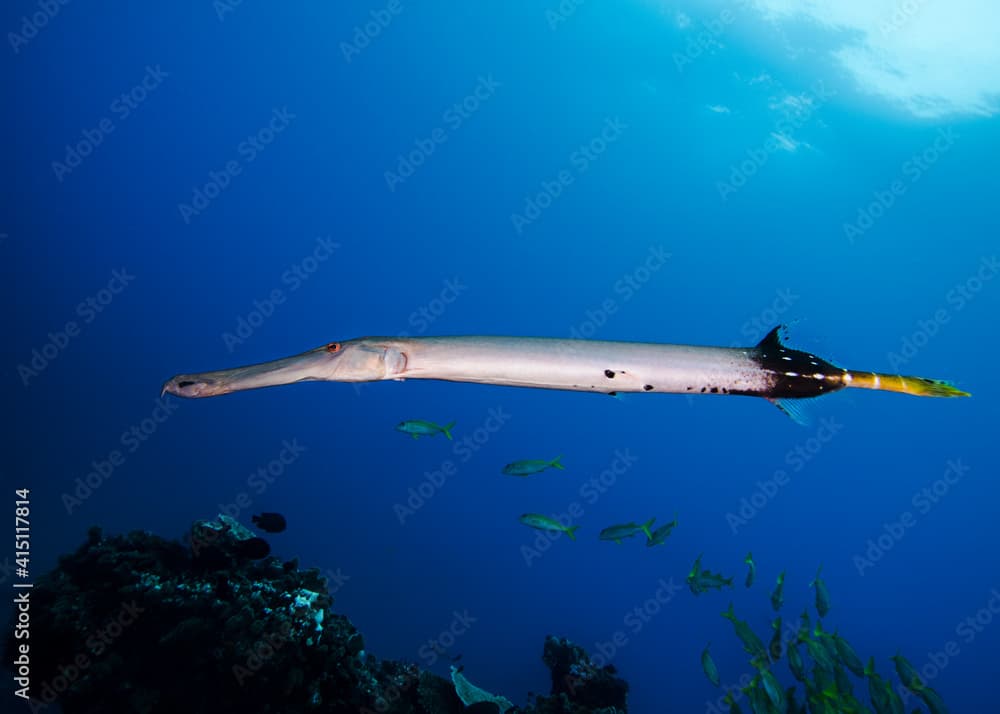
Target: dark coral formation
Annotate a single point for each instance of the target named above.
(137, 623)
(579, 687)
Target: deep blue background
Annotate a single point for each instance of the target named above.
(655, 186)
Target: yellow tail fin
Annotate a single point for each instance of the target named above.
(917, 386)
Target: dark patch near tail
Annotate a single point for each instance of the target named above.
(794, 373)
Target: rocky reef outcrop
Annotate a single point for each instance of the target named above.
(136, 623)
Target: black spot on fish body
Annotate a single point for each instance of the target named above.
(703, 390)
(609, 374)
(185, 383)
(647, 387)
(612, 394)
(715, 390)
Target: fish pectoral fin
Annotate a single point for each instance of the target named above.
(798, 410)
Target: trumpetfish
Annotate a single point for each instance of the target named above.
(769, 369)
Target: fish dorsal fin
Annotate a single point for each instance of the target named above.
(774, 340)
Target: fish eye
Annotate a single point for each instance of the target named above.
(333, 347)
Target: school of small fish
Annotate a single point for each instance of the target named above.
(828, 687)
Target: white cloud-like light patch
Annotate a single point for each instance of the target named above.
(933, 58)
(786, 142)
(793, 104)
(718, 108)
(683, 20)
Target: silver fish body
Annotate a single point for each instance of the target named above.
(768, 369)
(539, 362)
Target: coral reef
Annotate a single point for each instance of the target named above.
(137, 623)
(578, 687)
(471, 695)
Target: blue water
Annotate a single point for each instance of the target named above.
(281, 181)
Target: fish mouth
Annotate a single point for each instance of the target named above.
(297, 368)
(361, 360)
(193, 386)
